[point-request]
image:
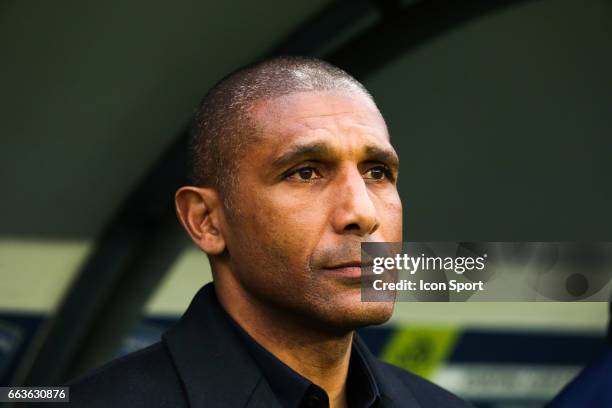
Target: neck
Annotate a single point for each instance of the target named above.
(321, 357)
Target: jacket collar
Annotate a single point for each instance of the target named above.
(213, 366)
(217, 370)
(394, 393)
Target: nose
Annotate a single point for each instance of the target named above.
(355, 212)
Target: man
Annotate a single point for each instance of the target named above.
(292, 170)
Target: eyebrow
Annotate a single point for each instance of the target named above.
(300, 152)
(321, 150)
(387, 156)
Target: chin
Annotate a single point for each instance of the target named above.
(370, 313)
(351, 314)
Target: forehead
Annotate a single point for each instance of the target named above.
(338, 118)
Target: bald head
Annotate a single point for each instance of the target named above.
(223, 125)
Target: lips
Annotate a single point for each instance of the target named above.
(350, 264)
(352, 269)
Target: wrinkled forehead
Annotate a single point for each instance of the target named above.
(332, 113)
(323, 125)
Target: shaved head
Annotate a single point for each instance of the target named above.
(295, 169)
(223, 125)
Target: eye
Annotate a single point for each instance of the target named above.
(378, 173)
(304, 174)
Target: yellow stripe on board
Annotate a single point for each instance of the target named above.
(421, 349)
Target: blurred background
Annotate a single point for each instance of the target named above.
(500, 111)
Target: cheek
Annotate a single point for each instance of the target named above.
(284, 224)
(391, 218)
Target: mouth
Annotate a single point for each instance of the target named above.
(353, 270)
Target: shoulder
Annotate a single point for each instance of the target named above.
(145, 378)
(426, 393)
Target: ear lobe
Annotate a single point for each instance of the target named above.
(198, 209)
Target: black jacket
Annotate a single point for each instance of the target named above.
(201, 362)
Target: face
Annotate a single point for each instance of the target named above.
(319, 180)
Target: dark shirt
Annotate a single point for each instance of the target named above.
(202, 362)
(295, 391)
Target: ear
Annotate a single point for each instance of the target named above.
(199, 209)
